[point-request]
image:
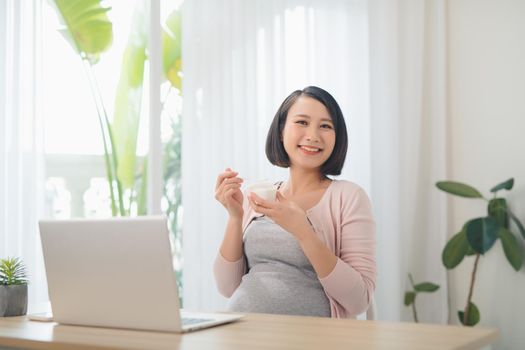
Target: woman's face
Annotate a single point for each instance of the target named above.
(308, 134)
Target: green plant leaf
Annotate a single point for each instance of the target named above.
(482, 233)
(517, 222)
(409, 298)
(129, 97)
(497, 208)
(87, 27)
(459, 189)
(507, 185)
(470, 251)
(455, 250)
(426, 287)
(89, 32)
(511, 248)
(12, 272)
(473, 315)
(142, 191)
(171, 49)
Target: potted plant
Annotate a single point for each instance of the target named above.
(13, 287)
(478, 235)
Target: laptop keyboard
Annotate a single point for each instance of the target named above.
(186, 321)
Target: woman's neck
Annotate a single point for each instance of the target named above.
(301, 181)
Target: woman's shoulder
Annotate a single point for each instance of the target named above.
(347, 187)
(349, 196)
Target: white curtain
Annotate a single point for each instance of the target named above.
(21, 142)
(408, 137)
(242, 58)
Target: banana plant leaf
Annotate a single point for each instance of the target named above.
(129, 93)
(128, 99)
(142, 189)
(86, 26)
(171, 49)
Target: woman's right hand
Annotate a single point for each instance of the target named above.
(228, 193)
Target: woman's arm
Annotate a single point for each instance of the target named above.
(293, 219)
(321, 258)
(352, 281)
(350, 278)
(231, 246)
(229, 264)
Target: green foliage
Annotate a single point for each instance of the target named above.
(482, 233)
(89, 31)
(459, 189)
(410, 295)
(506, 185)
(518, 224)
(473, 315)
(479, 235)
(128, 99)
(455, 250)
(471, 251)
(498, 210)
(86, 26)
(128, 105)
(511, 248)
(426, 287)
(12, 272)
(171, 43)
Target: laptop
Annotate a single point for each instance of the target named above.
(116, 273)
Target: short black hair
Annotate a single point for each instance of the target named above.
(275, 151)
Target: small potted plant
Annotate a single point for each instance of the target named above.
(13, 287)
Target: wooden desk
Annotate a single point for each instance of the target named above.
(252, 332)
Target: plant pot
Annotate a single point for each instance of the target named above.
(13, 300)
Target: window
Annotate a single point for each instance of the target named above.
(79, 94)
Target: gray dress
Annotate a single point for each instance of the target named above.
(280, 278)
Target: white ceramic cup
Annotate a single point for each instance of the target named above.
(265, 190)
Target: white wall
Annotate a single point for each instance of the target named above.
(487, 145)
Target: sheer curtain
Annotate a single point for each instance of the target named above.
(21, 143)
(242, 58)
(408, 137)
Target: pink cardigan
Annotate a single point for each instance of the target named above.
(343, 221)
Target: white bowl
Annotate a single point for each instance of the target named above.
(265, 190)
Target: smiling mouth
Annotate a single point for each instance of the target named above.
(310, 150)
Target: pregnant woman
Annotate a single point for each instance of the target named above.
(311, 250)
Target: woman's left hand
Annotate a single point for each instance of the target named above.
(285, 213)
